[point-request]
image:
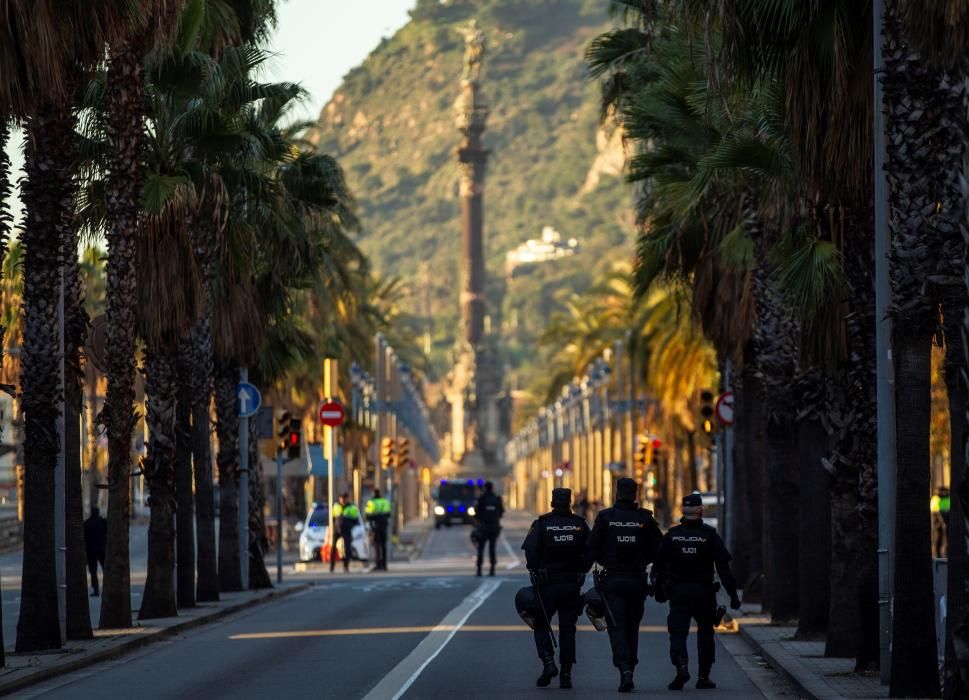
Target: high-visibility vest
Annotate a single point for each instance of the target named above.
(348, 511)
(378, 506)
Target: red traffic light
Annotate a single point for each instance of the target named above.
(657, 443)
(293, 439)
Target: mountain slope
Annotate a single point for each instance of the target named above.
(391, 124)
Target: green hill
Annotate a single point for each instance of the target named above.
(391, 124)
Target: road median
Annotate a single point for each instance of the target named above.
(23, 670)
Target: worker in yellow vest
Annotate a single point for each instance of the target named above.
(939, 506)
(378, 515)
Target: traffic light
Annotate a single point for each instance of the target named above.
(282, 420)
(403, 452)
(706, 410)
(388, 456)
(294, 447)
(642, 456)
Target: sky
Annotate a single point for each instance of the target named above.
(316, 42)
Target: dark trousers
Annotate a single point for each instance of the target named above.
(347, 549)
(626, 600)
(489, 537)
(92, 567)
(380, 547)
(566, 600)
(695, 601)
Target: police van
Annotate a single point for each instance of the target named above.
(454, 501)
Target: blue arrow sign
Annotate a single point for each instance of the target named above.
(248, 399)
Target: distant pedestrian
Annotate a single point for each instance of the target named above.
(683, 573)
(378, 515)
(95, 543)
(488, 512)
(346, 516)
(581, 505)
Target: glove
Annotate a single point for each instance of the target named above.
(734, 602)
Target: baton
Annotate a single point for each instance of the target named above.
(605, 602)
(548, 623)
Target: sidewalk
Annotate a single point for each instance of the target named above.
(804, 663)
(26, 669)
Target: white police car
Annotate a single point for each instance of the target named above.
(313, 535)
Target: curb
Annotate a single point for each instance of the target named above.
(780, 668)
(96, 657)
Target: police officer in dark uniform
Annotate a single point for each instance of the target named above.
(684, 572)
(488, 511)
(555, 550)
(624, 542)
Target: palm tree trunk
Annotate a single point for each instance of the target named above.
(227, 426)
(202, 367)
(5, 221)
(258, 541)
(914, 666)
(957, 582)
(44, 197)
(747, 500)
(161, 382)
(76, 322)
(184, 515)
(814, 528)
(126, 136)
(782, 524)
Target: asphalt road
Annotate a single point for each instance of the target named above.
(427, 629)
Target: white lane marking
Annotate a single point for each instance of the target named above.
(511, 553)
(403, 675)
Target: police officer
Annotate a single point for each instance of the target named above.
(488, 511)
(377, 511)
(346, 516)
(624, 542)
(555, 550)
(684, 571)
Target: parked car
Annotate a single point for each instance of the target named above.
(313, 535)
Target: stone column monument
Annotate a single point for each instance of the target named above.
(476, 378)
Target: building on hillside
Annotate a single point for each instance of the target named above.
(539, 250)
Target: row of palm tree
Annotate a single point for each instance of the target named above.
(227, 237)
(749, 126)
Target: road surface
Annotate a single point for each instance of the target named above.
(427, 629)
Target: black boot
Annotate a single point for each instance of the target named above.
(565, 679)
(492, 570)
(703, 681)
(682, 676)
(626, 684)
(479, 570)
(549, 671)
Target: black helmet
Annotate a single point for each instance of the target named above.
(477, 537)
(595, 609)
(527, 605)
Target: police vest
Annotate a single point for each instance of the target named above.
(564, 540)
(348, 512)
(692, 552)
(378, 506)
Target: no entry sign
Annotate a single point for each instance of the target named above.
(332, 414)
(724, 409)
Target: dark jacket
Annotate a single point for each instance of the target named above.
(557, 542)
(95, 537)
(488, 511)
(689, 553)
(624, 539)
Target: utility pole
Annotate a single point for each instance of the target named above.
(279, 515)
(379, 407)
(885, 370)
(244, 491)
(330, 393)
